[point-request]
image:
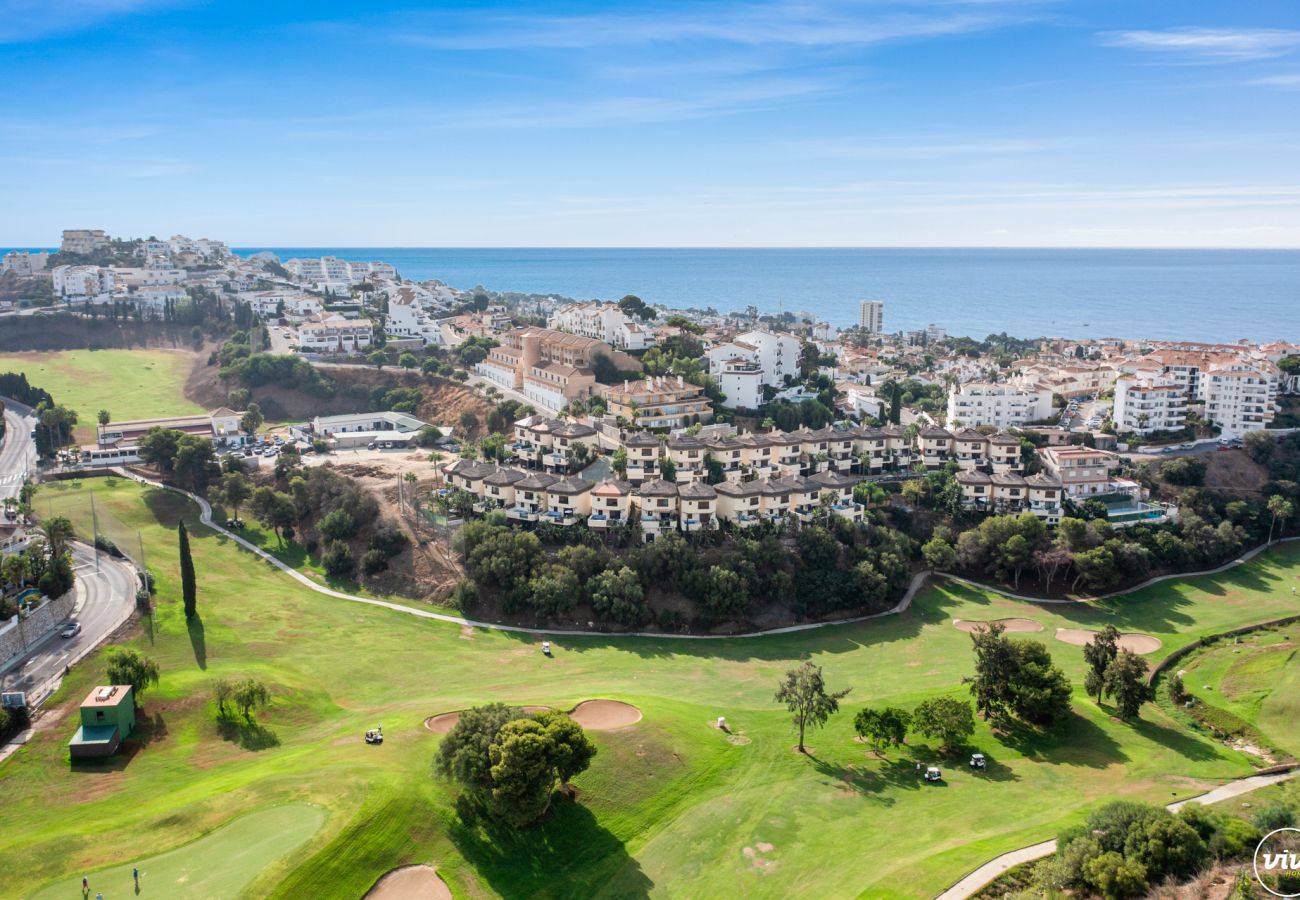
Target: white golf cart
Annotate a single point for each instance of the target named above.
(977, 761)
(932, 773)
(375, 735)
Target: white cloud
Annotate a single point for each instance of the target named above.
(1210, 44)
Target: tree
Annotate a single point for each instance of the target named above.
(128, 666)
(158, 448)
(104, 418)
(995, 664)
(571, 750)
(1279, 508)
(407, 360)
(58, 534)
(618, 462)
(1040, 691)
(1115, 877)
(463, 754)
(633, 305)
(1126, 681)
(234, 491)
(939, 554)
(377, 358)
(882, 727)
(338, 561)
(189, 588)
(668, 469)
(1099, 653)
(804, 694)
(274, 509)
(617, 594)
(946, 719)
(252, 419)
(249, 695)
(223, 692)
(468, 421)
(194, 463)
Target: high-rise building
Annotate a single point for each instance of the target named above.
(871, 316)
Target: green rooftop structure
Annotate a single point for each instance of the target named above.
(107, 717)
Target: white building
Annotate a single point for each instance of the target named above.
(1147, 404)
(871, 316)
(140, 276)
(1240, 396)
(155, 297)
(288, 304)
(741, 380)
(1000, 405)
(777, 355)
(334, 334)
(406, 318)
(81, 282)
(603, 322)
(24, 263)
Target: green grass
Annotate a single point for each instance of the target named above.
(1254, 680)
(670, 807)
(220, 864)
(130, 384)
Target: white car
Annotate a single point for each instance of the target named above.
(71, 630)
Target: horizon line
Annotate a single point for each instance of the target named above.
(311, 245)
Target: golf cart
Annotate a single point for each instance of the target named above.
(375, 735)
(977, 761)
(546, 648)
(932, 773)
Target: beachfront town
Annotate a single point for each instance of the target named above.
(683, 419)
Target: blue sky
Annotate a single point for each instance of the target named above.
(815, 123)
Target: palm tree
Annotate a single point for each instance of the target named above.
(1280, 508)
(58, 532)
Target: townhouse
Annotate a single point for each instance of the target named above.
(1009, 493)
(334, 333)
(1082, 471)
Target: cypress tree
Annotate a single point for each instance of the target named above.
(189, 590)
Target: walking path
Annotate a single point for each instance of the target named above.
(918, 582)
(990, 871)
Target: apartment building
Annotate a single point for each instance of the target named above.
(871, 316)
(284, 304)
(1145, 404)
(1240, 396)
(658, 402)
(155, 298)
(551, 368)
(777, 355)
(406, 318)
(333, 333)
(741, 381)
(24, 263)
(82, 282)
(84, 241)
(998, 405)
(603, 322)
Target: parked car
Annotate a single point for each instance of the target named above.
(71, 630)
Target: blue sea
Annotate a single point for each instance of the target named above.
(1198, 295)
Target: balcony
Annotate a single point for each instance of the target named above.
(521, 514)
(560, 517)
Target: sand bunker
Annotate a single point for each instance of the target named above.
(1129, 640)
(445, 722)
(1012, 625)
(600, 715)
(410, 883)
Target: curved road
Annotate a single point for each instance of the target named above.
(105, 594)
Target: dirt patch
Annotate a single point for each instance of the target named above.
(602, 715)
(1013, 626)
(1129, 640)
(443, 723)
(410, 883)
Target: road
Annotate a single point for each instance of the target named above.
(17, 452)
(104, 600)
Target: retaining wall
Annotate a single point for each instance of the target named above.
(36, 626)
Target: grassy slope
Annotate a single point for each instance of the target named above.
(130, 384)
(1256, 679)
(670, 805)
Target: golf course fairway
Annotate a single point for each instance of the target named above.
(220, 864)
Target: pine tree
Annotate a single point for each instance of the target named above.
(189, 590)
